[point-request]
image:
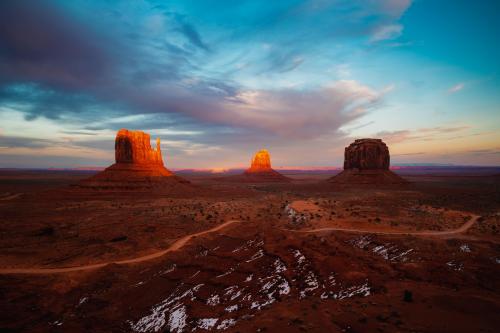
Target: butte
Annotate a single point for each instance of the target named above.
(137, 166)
(260, 169)
(366, 161)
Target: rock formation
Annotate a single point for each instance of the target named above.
(137, 165)
(260, 162)
(367, 154)
(260, 169)
(366, 161)
(135, 147)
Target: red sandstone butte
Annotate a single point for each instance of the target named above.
(367, 161)
(260, 169)
(136, 165)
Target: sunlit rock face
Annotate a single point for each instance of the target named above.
(261, 162)
(135, 147)
(137, 165)
(367, 154)
(367, 161)
(260, 170)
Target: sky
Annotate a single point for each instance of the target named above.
(219, 80)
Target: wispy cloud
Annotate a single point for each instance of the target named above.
(386, 32)
(421, 134)
(456, 88)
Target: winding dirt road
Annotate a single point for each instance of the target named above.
(174, 247)
(182, 241)
(466, 226)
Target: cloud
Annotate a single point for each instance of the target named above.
(422, 134)
(456, 88)
(40, 44)
(190, 32)
(96, 67)
(303, 114)
(386, 32)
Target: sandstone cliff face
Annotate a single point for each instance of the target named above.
(367, 162)
(137, 166)
(367, 154)
(261, 161)
(260, 170)
(135, 147)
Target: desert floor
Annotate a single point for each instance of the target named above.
(305, 256)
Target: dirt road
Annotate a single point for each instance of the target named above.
(466, 226)
(174, 247)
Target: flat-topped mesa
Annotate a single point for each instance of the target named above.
(367, 154)
(260, 162)
(367, 162)
(135, 147)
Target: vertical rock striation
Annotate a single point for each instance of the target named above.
(367, 154)
(135, 147)
(367, 161)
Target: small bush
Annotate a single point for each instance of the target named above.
(408, 296)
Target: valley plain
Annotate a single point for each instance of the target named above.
(306, 255)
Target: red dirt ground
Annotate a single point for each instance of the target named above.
(282, 265)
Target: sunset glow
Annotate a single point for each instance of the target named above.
(216, 81)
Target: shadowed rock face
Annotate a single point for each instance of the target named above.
(261, 162)
(367, 154)
(135, 147)
(367, 162)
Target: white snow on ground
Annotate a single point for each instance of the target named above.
(82, 300)
(465, 248)
(206, 323)
(213, 300)
(194, 275)
(456, 266)
(202, 253)
(168, 270)
(361, 241)
(362, 290)
(300, 257)
(157, 319)
(57, 323)
(387, 251)
(231, 308)
(279, 266)
(259, 254)
(232, 292)
(293, 215)
(311, 282)
(177, 319)
(226, 273)
(266, 285)
(226, 323)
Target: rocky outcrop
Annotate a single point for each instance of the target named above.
(367, 161)
(260, 162)
(260, 170)
(137, 165)
(135, 147)
(367, 154)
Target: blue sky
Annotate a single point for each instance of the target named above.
(219, 80)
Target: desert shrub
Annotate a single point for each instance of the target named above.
(408, 296)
